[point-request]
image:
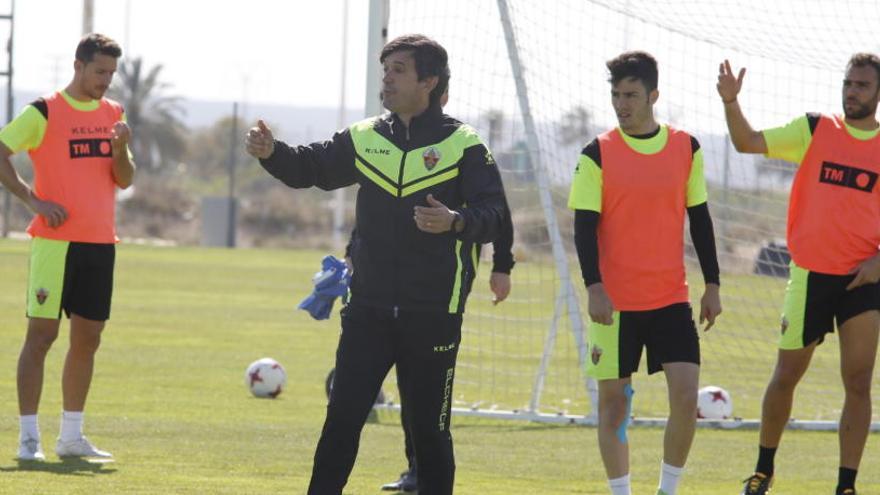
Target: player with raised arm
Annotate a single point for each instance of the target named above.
(833, 235)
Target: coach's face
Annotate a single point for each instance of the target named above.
(402, 92)
(633, 104)
(861, 92)
(94, 77)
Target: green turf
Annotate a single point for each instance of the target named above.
(169, 401)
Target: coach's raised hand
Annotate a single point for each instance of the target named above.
(259, 142)
(728, 84)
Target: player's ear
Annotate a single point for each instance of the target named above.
(653, 96)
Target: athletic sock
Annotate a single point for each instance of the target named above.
(846, 478)
(669, 477)
(71, 426)
(765, 460)
(620, 486)
(28, 427)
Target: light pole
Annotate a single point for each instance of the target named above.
(7, 197)
(339, 194)
(88, 17)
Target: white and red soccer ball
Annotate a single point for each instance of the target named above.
(265, 378)
(714, 403)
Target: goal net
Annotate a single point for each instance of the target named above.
(531, 77)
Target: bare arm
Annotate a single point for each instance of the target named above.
(54, 213)
(744, 138)
(10, 178)
(123, 167)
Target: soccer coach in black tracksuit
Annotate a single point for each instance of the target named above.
(430, 195)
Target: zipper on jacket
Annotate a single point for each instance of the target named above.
(399, 202)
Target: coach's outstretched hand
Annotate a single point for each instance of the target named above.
(259, 141)
(728, 84)
(710, 305)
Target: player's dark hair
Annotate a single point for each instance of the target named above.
(430, 57)
(865, 59)
(637, 65)
(95, 43)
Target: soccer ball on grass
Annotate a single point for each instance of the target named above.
(714, 403)
(265, 378)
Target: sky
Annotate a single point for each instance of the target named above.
(289, 53)
(285, 52)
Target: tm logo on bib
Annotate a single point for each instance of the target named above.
(846, 176)
(90, 148)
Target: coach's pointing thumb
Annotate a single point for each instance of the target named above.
(433, 202)
(263, 127)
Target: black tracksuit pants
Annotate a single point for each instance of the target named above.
(424, 346)
(408, 449)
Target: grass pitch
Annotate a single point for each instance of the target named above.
(169, 400)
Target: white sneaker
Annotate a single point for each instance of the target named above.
(80, 447)
(30, 449)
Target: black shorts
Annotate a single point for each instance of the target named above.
(74, 276)
(815, 301)
(669, 334)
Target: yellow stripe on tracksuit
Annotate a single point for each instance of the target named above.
(380, 161)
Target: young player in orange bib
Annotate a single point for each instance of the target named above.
(78, 142)
(635, 184)
(833, 235)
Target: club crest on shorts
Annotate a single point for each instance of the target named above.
(42, 294)
(596, 354)
(431, 156)
(783, 325)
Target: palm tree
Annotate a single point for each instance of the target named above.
(158, 140)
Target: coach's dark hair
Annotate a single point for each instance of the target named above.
(93, 44)
(431, 59)
(636, 65)
(865, 59)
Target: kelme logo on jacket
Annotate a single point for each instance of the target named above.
(431, 156)
(377, 151)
